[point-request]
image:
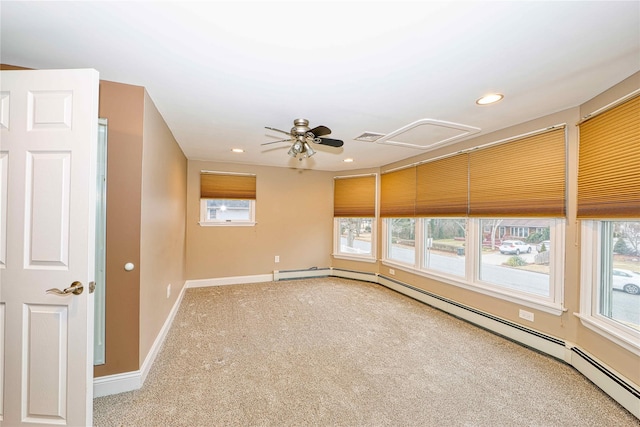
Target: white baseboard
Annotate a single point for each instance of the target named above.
(127, 381)
(117, 383)
(222, 281)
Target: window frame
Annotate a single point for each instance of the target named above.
(337, 253)
(386, 245)
(554, 304)
(590, 285)
(204, 222)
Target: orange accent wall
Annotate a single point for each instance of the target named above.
(123, 107)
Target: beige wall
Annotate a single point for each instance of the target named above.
(162, 229)
(146, 205)
(567, 326)
(294, 214)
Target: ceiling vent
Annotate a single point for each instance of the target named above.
(369, 137)
(427, 134)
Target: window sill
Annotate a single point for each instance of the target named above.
(369, 259)
(627, 340)
(547, 307)
(226, 224)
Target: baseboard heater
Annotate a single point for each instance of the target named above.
(624, 392)
(300, 274)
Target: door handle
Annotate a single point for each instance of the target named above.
(76, 288)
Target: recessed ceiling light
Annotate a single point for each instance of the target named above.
(490, 99)
(237, 150)
(349, 160)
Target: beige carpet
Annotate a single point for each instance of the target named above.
(335, 352)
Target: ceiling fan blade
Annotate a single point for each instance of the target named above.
(274, 142)
(330, 142)
(320, 131)
(278, 130)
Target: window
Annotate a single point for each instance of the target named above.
(401, 240)
(609, 211)
(524, 265)
(227, 211)
(444, 245)
(447, 217)
(227, 198)
(354, 210)
(355, 237)
(610, 282)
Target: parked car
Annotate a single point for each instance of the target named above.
(514, 247)
(546, 243)
(626, 280)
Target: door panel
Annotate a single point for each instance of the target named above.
(44, 382)
(48, 146)
(4, 161)
(47, 218)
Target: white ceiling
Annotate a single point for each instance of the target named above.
(221, 71)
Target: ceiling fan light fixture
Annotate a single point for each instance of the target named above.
(310, 151)
(237, 150)
(491, 98)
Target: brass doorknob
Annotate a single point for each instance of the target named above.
(76, 288)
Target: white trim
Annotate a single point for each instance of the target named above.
(223, 281)
(231, 223)
(590, 253)
(127, 381)
(368, 259)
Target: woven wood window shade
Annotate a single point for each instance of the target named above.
(442, 187)
(609, 163)
(223, 186)
(354, 197)
(520, 178)
(398, 193)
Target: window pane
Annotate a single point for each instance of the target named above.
(401, 240)
(445, 245)
(228, 210)
(355, 235)
(509, 260)
(619, 293)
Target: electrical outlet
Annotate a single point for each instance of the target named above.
(392, 272)
(168, 290)
(526, 315)
(277, 258)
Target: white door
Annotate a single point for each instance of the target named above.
(48, 137)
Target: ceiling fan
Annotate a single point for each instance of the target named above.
(301, 137)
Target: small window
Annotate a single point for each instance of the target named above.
(227, 198)
(227, 211)
(355, 238)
